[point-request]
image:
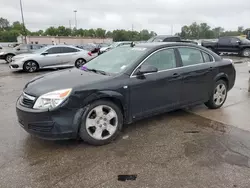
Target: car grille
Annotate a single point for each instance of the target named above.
(27, 100)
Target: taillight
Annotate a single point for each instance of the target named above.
(89, 53)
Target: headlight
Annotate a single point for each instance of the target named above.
(52, 99)
(1, 53)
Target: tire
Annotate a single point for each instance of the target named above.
(218, 97)
(80, 62)
(8, 58)
(30, 66)
(97, 129)
(246, 52)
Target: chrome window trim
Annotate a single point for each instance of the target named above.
(28, 96)
(133, 76)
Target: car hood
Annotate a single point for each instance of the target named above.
(25, 55)
(7, 50)
(72, 78)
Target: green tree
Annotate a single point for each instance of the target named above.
(109, 34)
(52, 31)
(100, 33)
(4, 24)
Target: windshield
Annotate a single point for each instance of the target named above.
(18, 46)
(244, 40)
(41, 50)
(117, 60)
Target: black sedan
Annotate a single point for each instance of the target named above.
(121, 86)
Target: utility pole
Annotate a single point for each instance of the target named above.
(70, 24)
(24, 29)
(172, 29)
(75, 11)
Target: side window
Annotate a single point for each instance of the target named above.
(162, 60)
(234, 41)
(207, 58)
(190, 56)
(54, 50)
(68, 50)
(224, 41)
(24, 47)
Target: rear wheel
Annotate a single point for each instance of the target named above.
(246, 52)
(101, 123)
(8, 58)
(80, 62)
(218, 96)
(30, 66)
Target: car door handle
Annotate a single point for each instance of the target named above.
(175, 75)
(211, 69)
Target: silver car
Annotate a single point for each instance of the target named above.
(51, 57)
(8, 53)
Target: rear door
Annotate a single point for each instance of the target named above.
(224, 44)
(52, 58)
(68, 56)
(198, 72)
(235, 44)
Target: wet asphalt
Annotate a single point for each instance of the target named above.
(175, 149)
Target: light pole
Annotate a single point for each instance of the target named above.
(24, 29)
(75, 11)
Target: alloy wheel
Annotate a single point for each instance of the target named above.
(31, 66)
(220, 94)
(9, 58)
(246, 53)
(101, 122)
(80, 63)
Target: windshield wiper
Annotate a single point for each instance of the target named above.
(97, 71)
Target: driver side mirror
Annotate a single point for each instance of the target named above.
(44, 53)
(146, 69)
(238, 42)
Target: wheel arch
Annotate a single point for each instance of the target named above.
(10, 54)
(113, 96)
(222, 76)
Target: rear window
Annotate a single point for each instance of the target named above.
(190, 56)
(207, 57)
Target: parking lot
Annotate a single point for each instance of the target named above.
(177, 149)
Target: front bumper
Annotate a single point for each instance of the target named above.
(16, 65)
(60, 124)
(2, 56)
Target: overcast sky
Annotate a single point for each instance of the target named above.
(156, 15)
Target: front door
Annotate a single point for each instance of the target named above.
(159, 91)
(198, 72)
(52, 58)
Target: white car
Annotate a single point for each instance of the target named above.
(114, 45)
(57, 56)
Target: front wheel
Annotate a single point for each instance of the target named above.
(30, 66)
(101, 123)
(8, 58)
(218, 96)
